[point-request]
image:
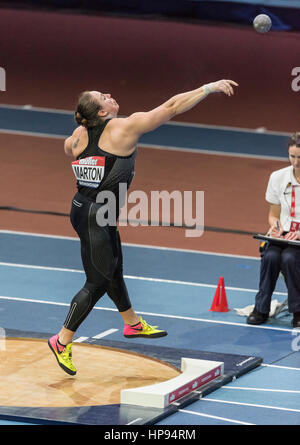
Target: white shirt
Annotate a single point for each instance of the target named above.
(279, 191)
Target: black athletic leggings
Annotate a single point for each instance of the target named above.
(102, 259)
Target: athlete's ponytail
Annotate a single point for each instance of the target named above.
(86, 113)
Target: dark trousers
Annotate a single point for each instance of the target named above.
(276, 259)
(102, 259)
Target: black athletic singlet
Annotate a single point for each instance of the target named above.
(97, 170)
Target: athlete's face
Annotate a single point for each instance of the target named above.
(108, 104)
(294, 155)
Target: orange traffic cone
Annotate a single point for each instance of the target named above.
(219, 303)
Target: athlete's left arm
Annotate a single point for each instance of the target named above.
(68, 146)
(71, 143)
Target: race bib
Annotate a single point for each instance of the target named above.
(89, 171)
(295, 226)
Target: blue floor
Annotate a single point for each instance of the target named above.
(40, 275)
(174, 289)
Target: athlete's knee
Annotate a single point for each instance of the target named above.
(82, 303)
(88, 293)
(94, 289)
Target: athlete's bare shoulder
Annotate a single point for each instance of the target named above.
(117, 138)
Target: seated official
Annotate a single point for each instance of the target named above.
(283, 195)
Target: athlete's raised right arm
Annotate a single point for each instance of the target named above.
(139, 123)
(180, 103)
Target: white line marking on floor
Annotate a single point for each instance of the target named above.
(80, 339)
(105, 333)
(178, 317)
(214, 417)
(33, 134)
(262, 389)
(201, 252)
(280, 366)
(141, 246)
(41, 235)
(132, 277)
(50, 268)
(31, 300)
(134, 421)
(32, 108)
(255, 405)
(217, 322)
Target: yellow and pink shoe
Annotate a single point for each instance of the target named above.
(143, 329)
(63, 355)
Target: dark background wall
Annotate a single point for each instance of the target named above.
(50, 56)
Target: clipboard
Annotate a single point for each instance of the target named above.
(278, 241)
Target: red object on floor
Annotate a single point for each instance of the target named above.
(219, 303)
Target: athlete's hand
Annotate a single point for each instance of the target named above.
(221, 86)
